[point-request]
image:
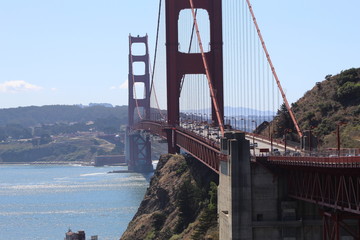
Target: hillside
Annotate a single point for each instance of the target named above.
(180, 203)
(58, 133)
(332, 102)
(81, 147)
(32, 116)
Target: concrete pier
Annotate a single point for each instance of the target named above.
(253, 202)
(234, 194)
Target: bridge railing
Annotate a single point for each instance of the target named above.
(205, 150)
(335, 162)
(157, 128)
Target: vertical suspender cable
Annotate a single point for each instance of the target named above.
(243, 62)
(233, 48)
(238, 53)
(273, 71)
(216, 106)
(155, 57)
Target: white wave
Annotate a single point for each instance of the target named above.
(76, 165)
(67, 211)
(92, 174)
(63, 188)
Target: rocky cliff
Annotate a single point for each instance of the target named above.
(180, 203)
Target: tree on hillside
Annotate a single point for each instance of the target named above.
(283, 121)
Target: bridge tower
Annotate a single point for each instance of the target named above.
(138, 150)
(180, 64)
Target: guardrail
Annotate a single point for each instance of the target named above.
(334, 162)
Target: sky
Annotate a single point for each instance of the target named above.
(76, 51)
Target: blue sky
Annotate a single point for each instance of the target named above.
(76, 51)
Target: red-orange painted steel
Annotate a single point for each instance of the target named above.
(139, 147)
(179, 64)
(134, 101)
(328, 189)
(219, 118)
(324, 162)
(205, 150)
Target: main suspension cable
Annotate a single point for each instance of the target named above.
(152, 85)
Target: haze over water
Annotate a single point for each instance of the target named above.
(41, 202)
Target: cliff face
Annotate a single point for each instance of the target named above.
(179, 204)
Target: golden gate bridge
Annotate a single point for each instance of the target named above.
(212, 75)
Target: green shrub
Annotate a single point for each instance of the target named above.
(159, 219)
(182, 168)
(350, 75)
(349, 93)
(175, 237)
(151, 235)
(189, 198)
(328, 77)
(208, 217)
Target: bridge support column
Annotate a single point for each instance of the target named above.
(139, 153)
(138, 148)
(234, 194)
(171, 140)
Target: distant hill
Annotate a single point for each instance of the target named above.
(232, 111)
(334, 101)
(33, 116)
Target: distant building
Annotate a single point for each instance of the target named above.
(80, 235)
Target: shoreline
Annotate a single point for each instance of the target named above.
(85, 164)
(49, 163)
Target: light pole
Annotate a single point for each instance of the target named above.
(269, 130)
(243, 119)
(285, 132)
(338, 136)
(254, 121)
(310, 143)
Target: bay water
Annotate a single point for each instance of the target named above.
(41, 202)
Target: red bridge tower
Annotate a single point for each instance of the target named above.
(180, 64)
(138, 149)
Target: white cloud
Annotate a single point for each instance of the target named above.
(54, 89)
(124, 85)
(16, 86)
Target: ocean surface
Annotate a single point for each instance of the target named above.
(41, 202)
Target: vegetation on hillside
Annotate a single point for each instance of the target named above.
(181, 203)
(331, 103)
(34, 116)
(59, 133)
(29, 122)
(79, 148)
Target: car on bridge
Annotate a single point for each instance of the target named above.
(276, 152)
